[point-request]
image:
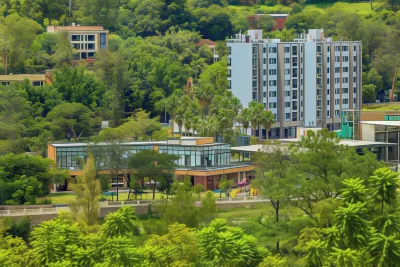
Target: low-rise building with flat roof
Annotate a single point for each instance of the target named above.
(85, 39)
(35, 79)
(200, 158)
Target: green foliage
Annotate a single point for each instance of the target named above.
(123, 222)
(24, 178)
(86, 207)
(384, 185)
(354, 191)
(222, 245)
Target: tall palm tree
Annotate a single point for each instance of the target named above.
(256, 110)
(244, 118)
(179, 118)
(267, 120)
(384, 184)
(212, 126)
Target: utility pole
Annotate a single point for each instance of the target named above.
(165, 107)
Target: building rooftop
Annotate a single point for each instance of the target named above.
(19, 77)
(350, 143)
(382, 123)
(75, 28)
(183, 141)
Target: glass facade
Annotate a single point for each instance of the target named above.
(199, 156)
(190, 156)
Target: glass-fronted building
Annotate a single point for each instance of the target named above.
(200, 158)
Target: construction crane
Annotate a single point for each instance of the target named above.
(393, 85)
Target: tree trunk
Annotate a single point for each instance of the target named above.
(154, 190)
(117, 185)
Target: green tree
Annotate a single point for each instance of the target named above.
(267, 120)
(221, 245)
(63, 52)
(369, 93)
(354, 191)
(384, 250)
(123, 222)
(86, 207)
(265, 22)
(71, 120)
(225, 185)
(384, 185)
(154, 165)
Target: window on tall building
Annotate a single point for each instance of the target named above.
(328, 59)
(294, 61)
(287, 116)
(294, 94)
(272, 71)
(294, 50)
(337, 113)
(301, 81)
(345, 69)
(90, 54)
(345, 58)
(254, 96)
(265, 61)
(355, 48)
(345, 79)
(294, 73)
(77, 46)
(287, 71)
(355, 90)
(254, 84)
(337, 90)
(264, 94)
(337, 69)
(294, 83)
(272, 93)
(319, 48)
(345, 90)
(265, 72)
(287, 104)
(337, 101)
(229, 50)
(337, 59)
(354, 101)
(327, 91)
(264, 50)
(287, 82)
(328, 49)
(327, 80)
(327, 102)
(355, 58)
(294, 116)
(287, 60)
(272, 49)
(272, 105)
(345, 48)
(272, 82)
(287, 49)
(229, 72)
(337, 80)
(345, 101)
(287, 93)
(337, 48)
(272, 61)
(75, 37)
(354, 79)
(327, 70)
(354, 69)
(327, 113)
(264, 83)
(229, 84)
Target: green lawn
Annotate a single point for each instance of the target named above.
(387, 107)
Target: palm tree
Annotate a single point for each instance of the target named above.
(244, 118)
(345, 257)
(267, 120)
(212, 125)
(384, 184)
(179, 118)
(256, 110)
(123, 222)
(188, 122)
(204, 95)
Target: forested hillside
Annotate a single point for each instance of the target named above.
(152, 54)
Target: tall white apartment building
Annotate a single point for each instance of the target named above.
(305, 83)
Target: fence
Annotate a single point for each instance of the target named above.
(56, 210)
